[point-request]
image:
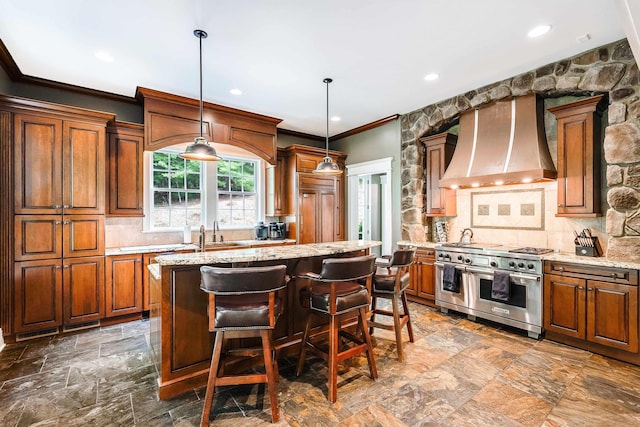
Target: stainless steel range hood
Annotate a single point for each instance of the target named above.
(503, 143)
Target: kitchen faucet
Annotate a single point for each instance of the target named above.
(216, 227)
(465, 236)
(201, 241)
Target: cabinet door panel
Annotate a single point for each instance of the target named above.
(84, 163)
(328, 224)
(38, 295)
(38, 165)
(307, 217)
(83, 235)
(123, 285)
(564, 307)
(613, 315)
(83, 290)
(427, 289)
(38, 237)
(125, 175)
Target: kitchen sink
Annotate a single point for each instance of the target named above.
(221, 245)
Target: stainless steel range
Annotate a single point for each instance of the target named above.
(492, 282)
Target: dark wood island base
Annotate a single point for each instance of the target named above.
(179, 334)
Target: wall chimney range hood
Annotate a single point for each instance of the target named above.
(503, 143)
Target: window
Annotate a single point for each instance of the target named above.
(189, 192)
(236, 187)
(177, 194)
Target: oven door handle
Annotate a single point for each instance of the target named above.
(458, 267)
(526, 277)
(480, 271)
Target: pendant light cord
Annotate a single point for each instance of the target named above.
(327, 81)
(200, 35)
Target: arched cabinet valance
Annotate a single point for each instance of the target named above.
(171, 119)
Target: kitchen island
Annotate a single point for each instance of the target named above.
(179, 334)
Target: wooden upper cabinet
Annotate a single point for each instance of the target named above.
(276, 188)
(83, 235)
(59, 166)
(438, 153)
(125, 169)
(579, 143)
(38, 164)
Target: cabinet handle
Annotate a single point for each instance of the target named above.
(65, 267)
(57, 206)
(581, 288)
(66, 206)
(590, 289)
(614, 275)
(57, 222)
(66, 222)
(560, 269)
(57, 267)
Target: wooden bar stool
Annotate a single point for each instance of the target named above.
(392, 286)
(335, 293)
(243, 303)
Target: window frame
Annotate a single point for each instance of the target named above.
(209, 192)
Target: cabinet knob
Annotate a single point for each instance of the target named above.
(57, 267)
(560, 268)
(581, 288)
(560, 206)
(66, 206)
(614, 275)
(590, 289)
(57, 222)
(66, 267)
(66, 222)
(57, 206)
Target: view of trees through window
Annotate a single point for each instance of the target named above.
(236, 192)
(179, 195)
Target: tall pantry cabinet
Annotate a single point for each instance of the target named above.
(57, 157)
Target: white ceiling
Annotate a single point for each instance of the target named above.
(278, 51)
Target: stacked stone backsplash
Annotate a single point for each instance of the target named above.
(609, 69)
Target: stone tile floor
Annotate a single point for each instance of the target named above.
(457, 373)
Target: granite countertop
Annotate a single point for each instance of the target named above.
(143, 249)
(553, 256)
(154, 270)
(266, 253)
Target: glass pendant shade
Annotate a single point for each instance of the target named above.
(200, 149)
(327, 166)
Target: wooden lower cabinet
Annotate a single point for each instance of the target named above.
(422, 277)
(38, 295)
(598, 312)
(55, 292)
(83, 290)
(123, 285)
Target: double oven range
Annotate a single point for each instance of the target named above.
(465, 282)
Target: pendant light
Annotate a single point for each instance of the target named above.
(327, 166)
(200, 149)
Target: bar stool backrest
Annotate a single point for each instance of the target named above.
(402, 257)
(238, 281)
(347, 269)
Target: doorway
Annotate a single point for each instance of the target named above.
(369, 202)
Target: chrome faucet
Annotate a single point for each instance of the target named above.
(465, 236)
(216, 227)
(201, 241)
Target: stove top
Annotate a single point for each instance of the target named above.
(530, 250)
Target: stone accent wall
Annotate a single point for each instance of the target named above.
(609, 69)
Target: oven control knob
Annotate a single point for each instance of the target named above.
(447, 256)
(459, 257)
(467, 260)
(439, 255)
(512, 264)
(494, 264)
(521, 265)
(530, 266)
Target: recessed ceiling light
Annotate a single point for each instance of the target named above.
(527, 180)
(431, 76)
(104, 56)
(539, 30)
(475, 185)
(499, 182)
(235, 91)
(454, 186)
(335, 119)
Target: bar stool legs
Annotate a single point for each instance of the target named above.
(269, 377)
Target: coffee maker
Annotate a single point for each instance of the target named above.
(277, 231)
(262, 231)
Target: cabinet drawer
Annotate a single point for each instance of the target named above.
(595, 272)
(426, 253)
(306, 180)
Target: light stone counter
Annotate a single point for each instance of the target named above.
(266, 253)
(144, 249)
(601, 261)
(417, 244)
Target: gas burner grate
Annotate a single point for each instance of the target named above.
(529, 250)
